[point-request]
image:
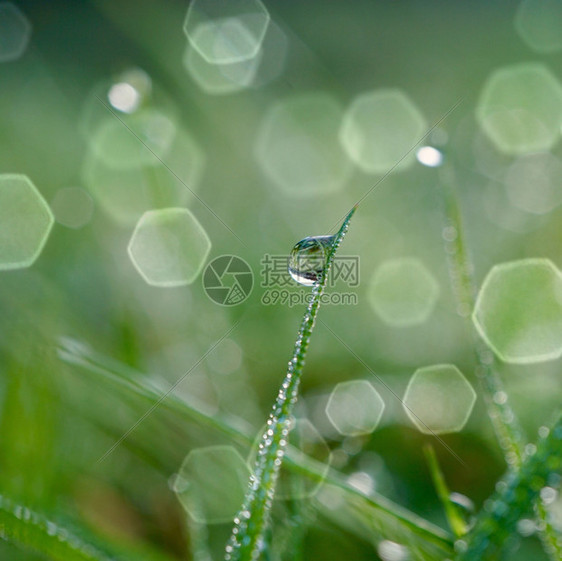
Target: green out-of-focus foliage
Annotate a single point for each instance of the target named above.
(142, 142)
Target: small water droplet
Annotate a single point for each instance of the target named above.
(500, 397)
(543, 431)
(526, 527)
(548, 495)
(461, 546)
(462, 501)
(308, 259)
(530, 449)
(392, 551)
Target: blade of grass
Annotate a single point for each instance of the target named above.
(460, 266)
(504, 421)
(247, 539)
(516, 494)
(456, 522)
(363, 517)
(30, 530)
(368, 517)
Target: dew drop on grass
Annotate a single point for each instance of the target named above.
(463, 502)
(308, 259)
(526, 527)
(392, 551)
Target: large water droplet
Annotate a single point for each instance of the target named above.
(308, 258)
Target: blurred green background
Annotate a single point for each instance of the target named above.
(262, 143)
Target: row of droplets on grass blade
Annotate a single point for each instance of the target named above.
(248, 535)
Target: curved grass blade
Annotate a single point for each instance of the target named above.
(455, 520)
(362, 517)
(368, 518)
(514, 499)
(504, 421)
(247, 539)
(30, 530)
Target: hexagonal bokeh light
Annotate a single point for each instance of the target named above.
(518, 311)
(439, 399)
(15, 31)
(169, 247)
(125, 193)
(145, 139)
(380, 129)
(538, 23)
(520, 108)
(211, 484)
(403, 292)
(73, 207)
(355, 408)
(298, 149)
(220, 79)
(25, 222)
(533, 182)
(226, 31)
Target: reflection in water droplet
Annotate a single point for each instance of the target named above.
(308, 259)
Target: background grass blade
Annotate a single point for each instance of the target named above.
(506, 425)
(247, 539)
(456, 522)
(369, 518)
(517, 493)
(30, 530)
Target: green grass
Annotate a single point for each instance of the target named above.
(96, 421)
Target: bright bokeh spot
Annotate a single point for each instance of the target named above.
(126, 193)
(226, 31)
(127, 92)
(355, 408)
(534, 183)
(538, 22)
(380, 130)
(439, 399)
(25, 222)
(403, 292)
(124, 97)
(220, 79)
(169, 247)
(520, 108)
(429, 156)
(305, 443)
(518, 311)
(15, 31)
(298, 147)
(73, 207)
(211, 484)
(143, 139)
